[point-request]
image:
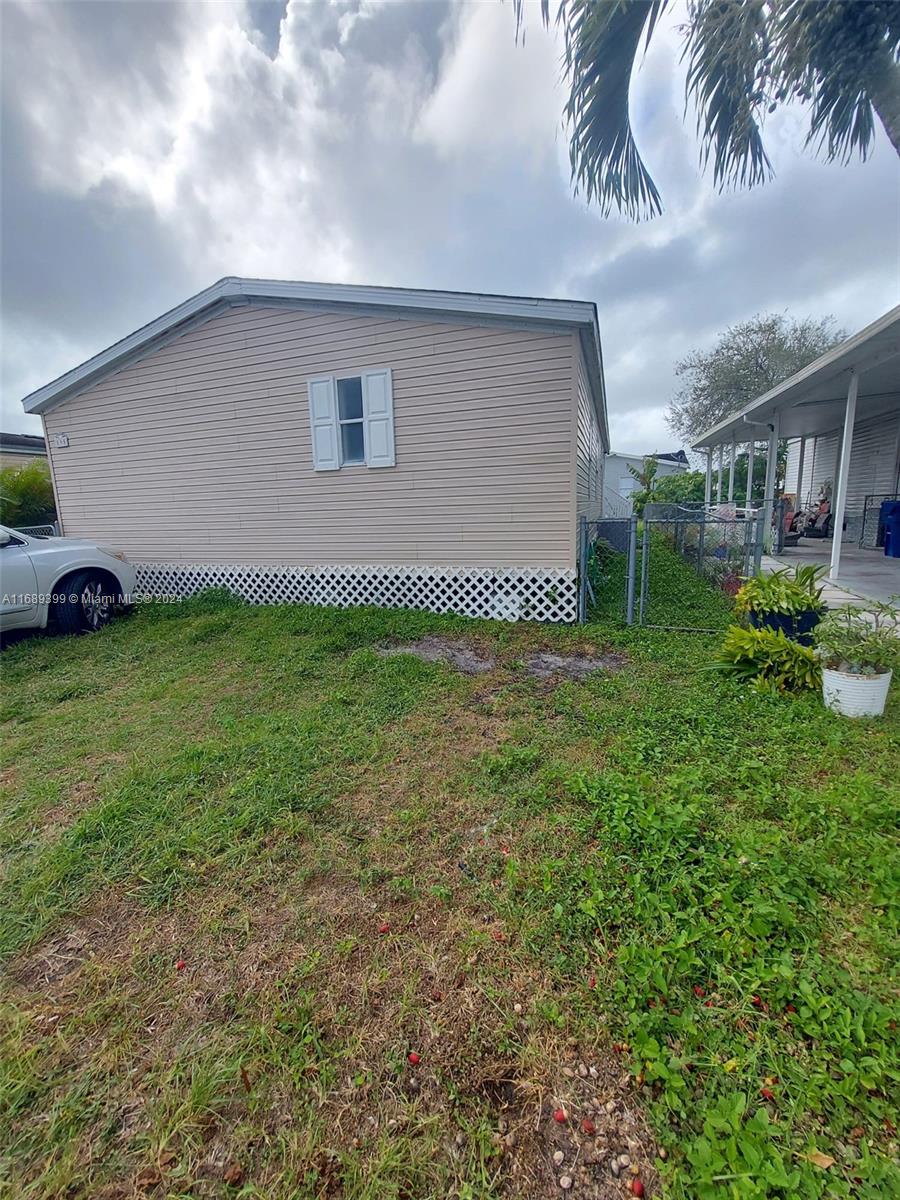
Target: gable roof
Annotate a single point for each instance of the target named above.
(580, 315)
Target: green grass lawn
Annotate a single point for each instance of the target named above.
(249, 866)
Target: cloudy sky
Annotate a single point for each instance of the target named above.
(150, 148)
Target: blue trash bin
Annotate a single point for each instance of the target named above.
(887, 509)
(892, 536)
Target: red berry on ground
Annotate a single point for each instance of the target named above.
(698, 990)
(180, 965)
(414, 1058)
(384, 927)
(757, 1003)
(588, 1126)
(637, 1188)
(791, 1008)
(560, 1116)
(592, 982)
(767, 1093)
(707, 1003)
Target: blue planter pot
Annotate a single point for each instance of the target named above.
(798, 629)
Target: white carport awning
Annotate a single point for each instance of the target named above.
(814, 401)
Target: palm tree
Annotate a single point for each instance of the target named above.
(744, 59)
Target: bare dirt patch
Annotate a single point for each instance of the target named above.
(544, 665)
(455, 651)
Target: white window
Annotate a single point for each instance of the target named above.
(352, 420)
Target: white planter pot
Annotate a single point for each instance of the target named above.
(855, 695)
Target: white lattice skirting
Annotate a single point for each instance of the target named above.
(507, 594)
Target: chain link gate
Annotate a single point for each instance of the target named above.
(678, 568)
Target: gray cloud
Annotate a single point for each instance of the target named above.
(151, 148)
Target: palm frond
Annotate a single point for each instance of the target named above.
(602, 41)
(727, 52)
(826, 57)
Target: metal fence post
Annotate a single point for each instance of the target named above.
(632, 569)
(582, 569)
(701, 543)
(645, 570)
(760, 536)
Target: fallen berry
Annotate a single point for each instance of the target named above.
(637, 1188)
(592, 982)
(791, 1008)
(588, 1126)
(414, 1058)
(436, 995)
(504, 850)
(560, 1116)
(698, 990)
(180, 965)
(767, 1093)
(757, 1002)
(707, 1003)
(499, 935)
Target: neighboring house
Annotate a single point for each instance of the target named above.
(841, 418)
(20, 449)
(341, 444)
(620, 483)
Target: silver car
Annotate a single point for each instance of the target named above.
(75, 585)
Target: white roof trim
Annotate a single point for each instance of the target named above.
(581, 314)
(857, 351)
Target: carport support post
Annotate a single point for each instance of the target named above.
(731, 473)
(800, 464)
(707, 491)
(719, 477)
(843, 477)
(750, 449)
(771, 469)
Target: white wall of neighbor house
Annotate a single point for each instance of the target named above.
(201, 451)
(874, 466)
(874, 462)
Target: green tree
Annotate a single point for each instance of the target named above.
(26, 495)
(748, 360)
(744, 58)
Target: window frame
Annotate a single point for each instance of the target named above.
(377, 388)
(341, 422)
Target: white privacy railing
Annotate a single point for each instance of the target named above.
(615, 505)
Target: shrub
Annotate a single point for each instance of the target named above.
(26, 495)
(782, 592)
(768, 661)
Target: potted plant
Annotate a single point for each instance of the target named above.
(791, 602)
(859, 650)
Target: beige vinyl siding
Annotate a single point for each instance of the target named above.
(19, 458)
(589, 449)
(201, 450)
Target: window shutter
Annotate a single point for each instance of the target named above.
(378, 408)
(323, 424)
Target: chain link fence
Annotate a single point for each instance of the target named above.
(871, 533)
(678, 567)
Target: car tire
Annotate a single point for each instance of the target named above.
(87, 603)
